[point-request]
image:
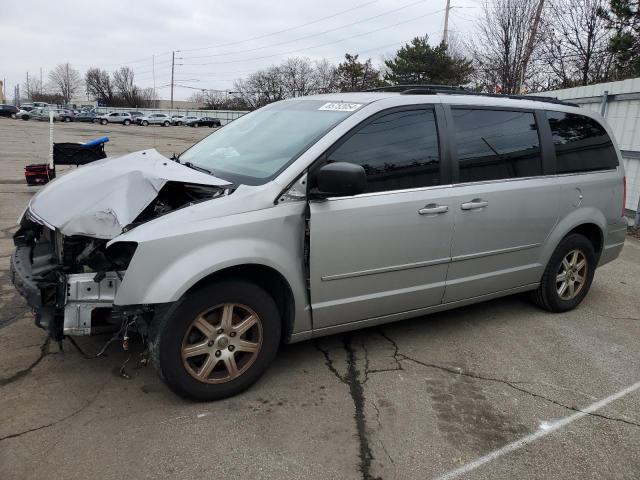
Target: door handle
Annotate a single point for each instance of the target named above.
(474, 204)
(432, 208)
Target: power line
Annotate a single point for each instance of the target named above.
(388, 12)
(281, 31)
(318, 46)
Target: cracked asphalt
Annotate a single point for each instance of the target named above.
(410, 400)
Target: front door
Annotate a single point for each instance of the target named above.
(387, 250)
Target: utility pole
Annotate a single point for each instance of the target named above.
(153, 70)
(529, 48)
(173, 58)
(445, 33)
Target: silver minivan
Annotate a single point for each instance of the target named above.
(319, 215)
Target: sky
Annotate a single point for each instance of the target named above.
(214, 42)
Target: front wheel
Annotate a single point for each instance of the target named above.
(568, 275)
(67, 119)
(217, 341)
(165, 124)
(144, 123)
(103, 121)
(127, 122)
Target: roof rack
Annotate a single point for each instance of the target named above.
(453, 90)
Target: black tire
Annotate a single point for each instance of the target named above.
(179, 124)
(67, 119)
(13, 115)
(103, 121)
(166, 124)
(144, 123)
(25, 117)
(168, 332)
(196, 125)
(126, 123)
(547, 296)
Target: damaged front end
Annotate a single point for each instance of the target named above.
(68, 263)
(70, 282)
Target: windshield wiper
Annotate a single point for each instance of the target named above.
(198, 167)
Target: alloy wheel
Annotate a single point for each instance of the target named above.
(222, 343)
(572, 275)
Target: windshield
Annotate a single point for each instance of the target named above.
(257, 146)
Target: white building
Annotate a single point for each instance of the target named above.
(619, 103)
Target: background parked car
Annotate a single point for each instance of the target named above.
(177, 120)
(42, 114)
(115, 117)
(205, 122)
(156, 119)
(8, 111)
(87, 117)
(136, 116)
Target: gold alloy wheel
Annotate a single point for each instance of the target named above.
(572, 275)
(222, 343)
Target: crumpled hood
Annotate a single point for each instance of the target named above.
(101, 198)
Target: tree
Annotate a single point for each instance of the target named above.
(292, 78)
(575, 43)
(100, 86)
(353, 75)
(500, 42)
(64, 81)
(623, 18)
(420, 63)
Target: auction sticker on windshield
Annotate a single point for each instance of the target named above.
(341, 107)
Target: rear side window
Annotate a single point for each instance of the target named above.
(581, 143)
(496, 144)
(397, 151)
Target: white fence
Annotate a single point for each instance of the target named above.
(619, 103)
(225, 116)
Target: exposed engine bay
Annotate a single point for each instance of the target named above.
(71, 280)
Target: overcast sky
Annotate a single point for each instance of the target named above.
(215, 42)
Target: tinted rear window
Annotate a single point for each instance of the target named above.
(581, 143)
(496, 144)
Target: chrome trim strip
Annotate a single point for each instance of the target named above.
(394, 268)
(470, 256)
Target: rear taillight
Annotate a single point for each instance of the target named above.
(624, 194)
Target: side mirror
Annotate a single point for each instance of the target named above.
(340, 179)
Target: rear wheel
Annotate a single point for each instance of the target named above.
(126, 122)
(568, 276)
(217, 341)
(196, 124)
(67, 119)
(13, 115)
(144, 123)
(103, 121)
(165, 124)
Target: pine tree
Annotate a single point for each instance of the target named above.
(420, 63)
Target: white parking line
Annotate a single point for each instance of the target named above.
(545, 429)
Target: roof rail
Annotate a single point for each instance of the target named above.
(403, 88)
(452, 90)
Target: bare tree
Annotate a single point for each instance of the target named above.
(575, 43)
(211, 99)
(100, 86)
(326, 77)
(123, 80)
(500, 42)
(64, 81)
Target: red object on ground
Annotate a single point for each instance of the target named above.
(39, 173)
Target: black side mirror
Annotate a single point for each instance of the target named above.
(340, 179)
